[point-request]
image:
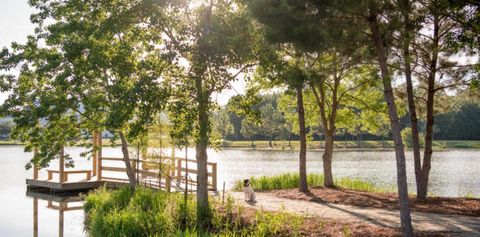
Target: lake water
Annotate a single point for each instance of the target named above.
(454, 173)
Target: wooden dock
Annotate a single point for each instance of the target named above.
(64, 186)
(166, 173)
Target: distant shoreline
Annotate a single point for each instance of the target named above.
(317, 145)
(346, 145)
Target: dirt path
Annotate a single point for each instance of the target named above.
(454, 224)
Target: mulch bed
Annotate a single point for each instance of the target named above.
(441, 205)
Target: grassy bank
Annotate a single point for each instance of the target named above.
(122, 212)
(155, 213)
(291, 180)
(347, 144)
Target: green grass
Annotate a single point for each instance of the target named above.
(291, 180)
(348, 144)
(146, 212)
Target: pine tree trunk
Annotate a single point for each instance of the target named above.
(203, 212)
(405, 218)
(128, 165)
(327, 160)
(303, 142)
(427, 155)
(411, 102)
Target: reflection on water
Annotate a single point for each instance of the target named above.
(454, 173)
(58, 205)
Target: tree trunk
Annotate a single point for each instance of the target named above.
(303, 141)
(126, 158)
(270, 142)
(328, 136)
(410, 97)
(405, 218)
(327, 160)
(253, 144)
(203, 212)
(427, 155)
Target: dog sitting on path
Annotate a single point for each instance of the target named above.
(248, 190)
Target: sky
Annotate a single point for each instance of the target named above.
(15, 26)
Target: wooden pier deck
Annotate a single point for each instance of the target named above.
(64, 186)
(166, 173)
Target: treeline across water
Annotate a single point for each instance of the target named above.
(460, 121)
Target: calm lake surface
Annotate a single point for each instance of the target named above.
(454, 173)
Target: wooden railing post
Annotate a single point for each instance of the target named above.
(214, 176)
(95, 154)
(179, 168)
(61, 165)
(35, 168)
(168, 181)
(99, 156)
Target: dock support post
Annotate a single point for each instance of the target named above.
(60, 219)
(35, 217)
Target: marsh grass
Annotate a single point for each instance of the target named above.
(146, 212)
(291, 180)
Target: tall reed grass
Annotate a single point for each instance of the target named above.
(292, 180)
(145, 212)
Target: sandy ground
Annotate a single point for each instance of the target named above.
(455, 225)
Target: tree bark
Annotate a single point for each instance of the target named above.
(410, 97)
(328, 136)
(126, 158)
(327, 160)
(427, 155)
(405, 218)
(201, 156)
(303, 141)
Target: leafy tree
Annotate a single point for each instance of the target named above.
(250, 129)
(434, 69)
(6, 128)
(339, 84)
(308, 24)
(97, 71)
(221, 123)
(212, 42)
(271, 122)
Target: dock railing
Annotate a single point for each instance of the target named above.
(167, 174)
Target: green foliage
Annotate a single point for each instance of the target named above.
(292, 180)
(283, 181)
(94, 70)
(408, 140)
(145, 212)
(222, 124)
